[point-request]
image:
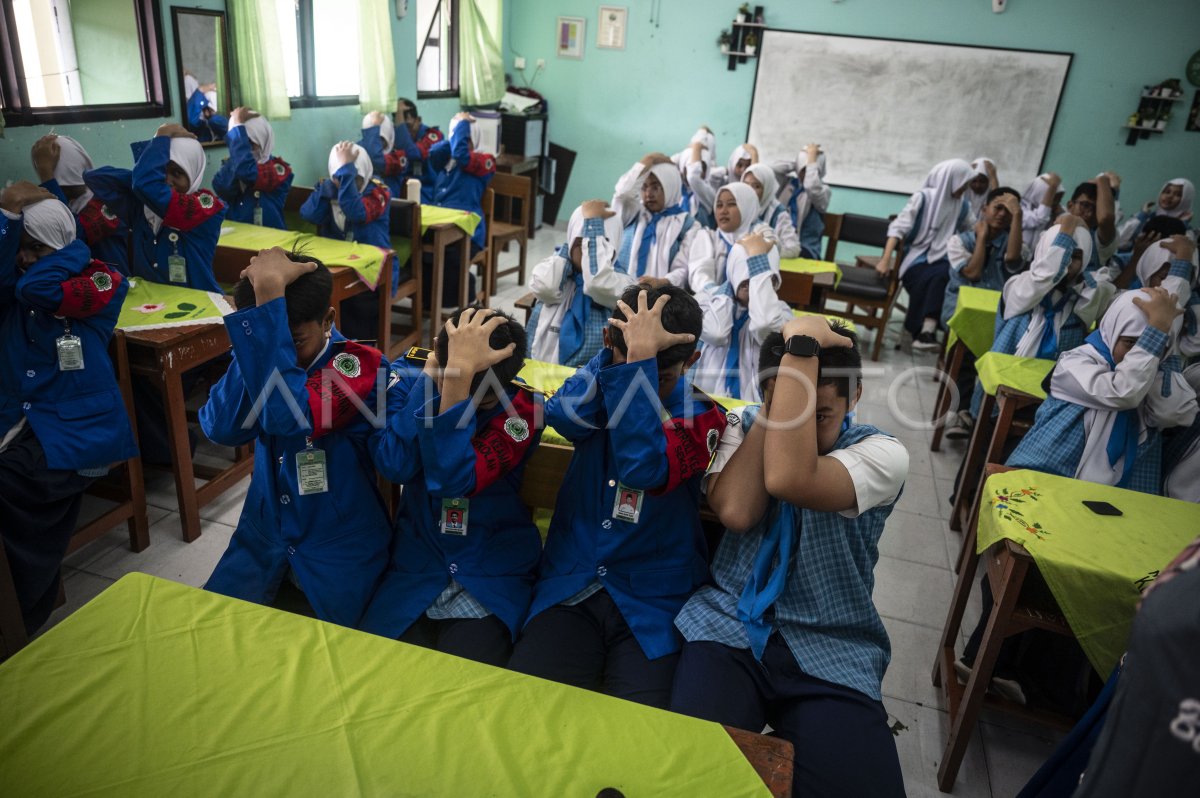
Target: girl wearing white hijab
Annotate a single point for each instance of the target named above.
(806, 197)
(702, 148)
(933, 214)
(1110, 398)
(658, 230)
(985, 180)
(389, 161)
(350, 205)
(771, 211)
(175, 223)
(252, 179)
(1174, 200)
(707, 186)
(577, 287)
(735, 278)
(1037, 206)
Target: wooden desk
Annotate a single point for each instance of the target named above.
(163, 356)
(531, 168)
(441, 237)
(797, 289)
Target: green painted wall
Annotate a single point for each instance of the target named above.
(110, 71)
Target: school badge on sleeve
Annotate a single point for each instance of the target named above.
(206, 201)
(102, 281)
(347, 365)
(517, 429)
(712, 440)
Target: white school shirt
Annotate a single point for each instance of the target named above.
(627, 202)
(787, 239)
(902, 225)
(1034, 222)
(816, 193)
(878, 465)
(959, 256)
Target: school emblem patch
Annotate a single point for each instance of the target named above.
(107, 214)
(517, 429)
(206, 201)
(347, 365)
(732, 419)
(279, 170)
(714, 438)
(102, 281)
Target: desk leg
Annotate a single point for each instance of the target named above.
(1007, 408)
(972, 465)
(383, 293)
(967, 560)
(139, 524)
(439, 279)
(464, 272)
(945, 389)
(181, 453)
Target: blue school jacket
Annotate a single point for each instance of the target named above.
(392, 166)
(336, 542)
(454, 456)
(211, 129)
(247, 185)
(78, 416)
(460, 177)
(417, 152)
(366, 212)
(624, 436)
(104, 232)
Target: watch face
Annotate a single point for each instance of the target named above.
(802, 346)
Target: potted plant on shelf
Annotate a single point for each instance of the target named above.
(751, 44)
(743, 14)
(725, 40)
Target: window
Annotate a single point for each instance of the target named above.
(63, 61)
(437, 48)
(323, 38)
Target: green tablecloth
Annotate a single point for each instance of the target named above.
(243, 235)
(432, 214)
(158, 689)
(366, 260)
(1023, 373)
(150, 306)
(807, 266)
(1095, 565)
(974, 319)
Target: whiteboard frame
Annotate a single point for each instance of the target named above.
(1053, 120)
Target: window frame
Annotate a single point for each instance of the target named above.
(15, 94)
(306, 43)
(454, 55)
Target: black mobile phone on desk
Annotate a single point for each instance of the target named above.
(1102, 508)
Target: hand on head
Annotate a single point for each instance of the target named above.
(643, 330)
(345, 152)
(755, 244)
(273, 270)
(1180, 246)
(468, 342)
(45, 154)
(817, 327)
(174, 131)
(22, 194)
(597, 209)
(1069, 223)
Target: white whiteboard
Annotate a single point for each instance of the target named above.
(885, 111)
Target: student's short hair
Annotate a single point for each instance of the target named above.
(769, 358)
(409, 106)
(1165, 226)
(307, 297)
(1084, 190)
(840, 366)
(680, 315)
(510, 332)
(1000, 192)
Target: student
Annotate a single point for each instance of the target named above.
(253, 180)
(925, 225)
(294, 388)
(787, 633)
(613, 577)
(707, 182)
(577, 287)
(415, 139)
(1039, 203)
(62, 416)
(390, 162)
(464, 550)
(1174, 201)
(658, 230)
(1101, 217)
(981, 184)
(60, 163)
(1125, 267)
(461, 176)
(202, 116)
(702, 147)
(806, 197)
(735, 278)
(771, 211)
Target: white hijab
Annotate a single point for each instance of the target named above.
(362, 165)
(1028, 345)
(261, 133)
(73, 161)
(1035, 193)
(765, 176)
(708, 146)
(740, 153)
(802, 162)
(1185, 203)
(939, 219)
(976, 201)
(189, 155)
(747, 204)
(672, 183)
(387, 131)
(50, 222)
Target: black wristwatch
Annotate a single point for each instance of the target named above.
(802, 346)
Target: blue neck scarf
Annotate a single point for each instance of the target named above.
(733, 376)
(649, 234)
(571, 334)
(1123, 441)
(793, 208)
(1048, 348)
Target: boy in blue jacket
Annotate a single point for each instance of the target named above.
(252, 179)
(625, 548)
(62, 416)
(388, 156)
(415, 139)
(465, 550)
(306, 396)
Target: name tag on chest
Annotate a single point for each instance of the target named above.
(454, 516)
(311, 476)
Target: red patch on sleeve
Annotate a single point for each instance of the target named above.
(89, 292)
(502, 444)
(189, 211)
(98, 222)
(376, 201)
(394, 163)
(481, 164)
(272, 175)
(427, 141)
(348, 376)
(690, 446)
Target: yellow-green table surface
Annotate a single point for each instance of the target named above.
(159, 689)
(150, 305)
(366, 260)
(1023, 373)
(807, 266)
(1095, 565)
(433, 215)
(974, 319)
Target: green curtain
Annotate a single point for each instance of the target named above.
(223, 88)
(377, 59)
(480, 63)
(258, 58)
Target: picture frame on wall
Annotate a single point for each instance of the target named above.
(571, 33)
(610, 27)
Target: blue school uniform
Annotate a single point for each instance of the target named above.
(212, 128)
(482, 561)
(462, 185)
(103, 230)
(815, 570)
(626, 440)
(392, 166)
(811, 228)
(416, 152)
(336, 542)
(77, 415)
(255, 192)
(366, 211)
(995, 271)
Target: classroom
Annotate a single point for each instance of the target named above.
(667, 398)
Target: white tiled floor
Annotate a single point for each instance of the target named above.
(913, 579)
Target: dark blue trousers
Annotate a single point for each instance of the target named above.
(926, 287)
(843, 744)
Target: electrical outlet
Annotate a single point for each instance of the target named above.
(541, 63)
(519, 62)
(998, 6)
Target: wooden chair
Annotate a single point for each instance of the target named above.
(295, 199)
(516, 190)
(404, 221)
(861, 287)
(833, 233)
(484, 258)
(526, 304)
